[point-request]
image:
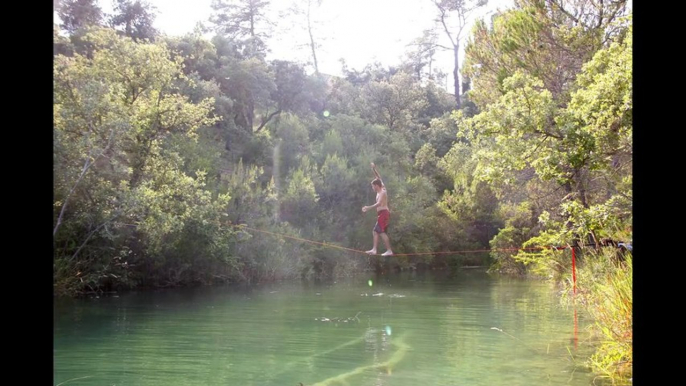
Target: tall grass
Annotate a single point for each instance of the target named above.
(604, 288)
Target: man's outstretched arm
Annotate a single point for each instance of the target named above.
(377, 174)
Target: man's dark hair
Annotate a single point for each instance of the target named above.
(377, 182)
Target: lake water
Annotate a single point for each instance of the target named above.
(406, 329)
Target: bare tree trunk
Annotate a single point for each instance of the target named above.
(86, 166)
(456, 51)
(312, 45)
(461, 11)
(89, 237)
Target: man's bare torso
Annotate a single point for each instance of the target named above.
(383, 198)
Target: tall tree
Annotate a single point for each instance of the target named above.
(244, 21)
(394, 102)
(590, 15)
(453, 16)
(313, 45)
(135, 19)
(540, 38)
(120, 190)
(420, 57)
(76, 14)
(303, 11)
(579, 152)
(294, 89)
(249, 83)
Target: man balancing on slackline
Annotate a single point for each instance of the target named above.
(382, 214)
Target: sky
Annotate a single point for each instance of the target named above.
(359, 31)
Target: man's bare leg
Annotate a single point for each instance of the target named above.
(376, 243)
(386, 241)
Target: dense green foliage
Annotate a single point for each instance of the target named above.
(163, 144)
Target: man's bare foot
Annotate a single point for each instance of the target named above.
(371, 252)
(387, 253)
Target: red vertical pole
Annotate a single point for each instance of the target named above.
(574, 268)
(576, 338)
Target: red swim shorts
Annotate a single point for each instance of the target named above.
(382, 217)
